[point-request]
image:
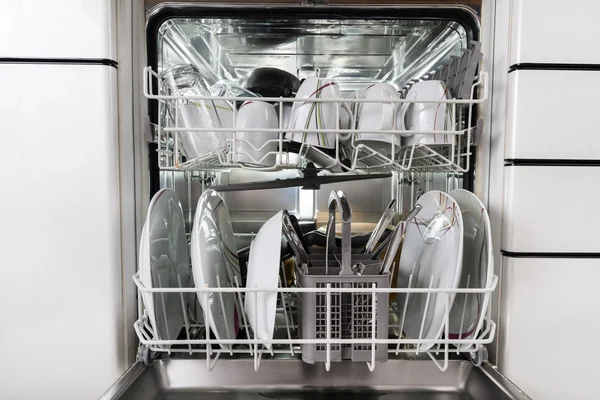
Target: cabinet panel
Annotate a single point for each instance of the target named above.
(548, 327)
(553, 115)
(555, 31)
(58, 29)
(61, 283)
(551, 209)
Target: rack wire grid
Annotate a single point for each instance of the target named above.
(287, 338)
(346, 155)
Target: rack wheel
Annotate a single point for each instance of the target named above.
(479, 357)
(145, 355)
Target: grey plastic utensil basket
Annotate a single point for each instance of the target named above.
(351, 313)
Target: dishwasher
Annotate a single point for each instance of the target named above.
(356, 45)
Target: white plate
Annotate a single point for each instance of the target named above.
(478, 263)
(263, 273)
(433, 246)
(215, 263)
(164, 263)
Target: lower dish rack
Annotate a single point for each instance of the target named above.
(377, 330)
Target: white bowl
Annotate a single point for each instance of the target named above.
(379, 117)
(426, 116)
(309, 115)
(254, 147)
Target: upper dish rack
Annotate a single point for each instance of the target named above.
(424, 153)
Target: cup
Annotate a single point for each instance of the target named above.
(256, 148)
(309, 115)
(426, 116)
(378, 117)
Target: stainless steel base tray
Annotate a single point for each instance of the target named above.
(174, 379)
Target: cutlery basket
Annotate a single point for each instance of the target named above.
(351, 313)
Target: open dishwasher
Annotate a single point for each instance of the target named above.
(325, 351)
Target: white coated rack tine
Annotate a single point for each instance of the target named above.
(486, 308)
(280, 135)
(257, 358)
(403, 317)
(141, 304)
(242, 311)
(224, 313)
(185, 313)
(207, 329)
(256, 352)
(462, 317)
(371, 364)
(232, 277)
(442, 367)
(211, 365)
(424, 314)
(447, 329)
(328, 346)
(234, 136)
(162, 302)
(287, 322)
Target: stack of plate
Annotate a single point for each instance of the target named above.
(164, 263)
(447, 245)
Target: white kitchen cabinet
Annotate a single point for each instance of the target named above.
(544, 302)
(551, 209)
(555, 32)
(61, 285)
(58, 29)
(553, 115)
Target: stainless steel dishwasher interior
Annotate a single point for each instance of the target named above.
(398, 379)
(354, 51)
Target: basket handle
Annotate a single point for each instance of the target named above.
(339, 200)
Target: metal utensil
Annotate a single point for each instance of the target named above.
(393, 240)
(294, 240)
(388, 260)
(384, 221)
(339, 200)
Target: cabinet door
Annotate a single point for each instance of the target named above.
(548, 328)
(551, 31)
(58, 29)
(553, 115)
(61, 285)
(551, 209)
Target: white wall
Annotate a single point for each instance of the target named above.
(61, 329)
(548, 327)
